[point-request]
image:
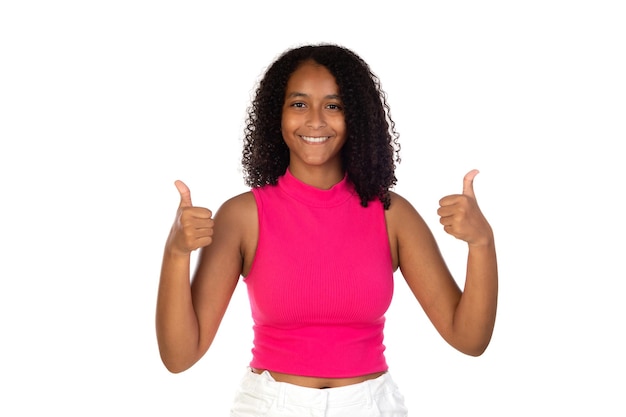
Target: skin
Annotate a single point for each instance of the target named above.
(188, 314)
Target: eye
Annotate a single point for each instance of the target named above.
(298, 104)
(334, 106)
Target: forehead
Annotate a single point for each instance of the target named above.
(311, 76)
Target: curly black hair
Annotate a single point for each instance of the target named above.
(371, 151)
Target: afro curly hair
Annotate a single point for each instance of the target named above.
(371, 151)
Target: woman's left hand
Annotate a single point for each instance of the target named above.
(461, 217)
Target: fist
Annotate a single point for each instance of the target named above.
(461, 217)
(193, 227)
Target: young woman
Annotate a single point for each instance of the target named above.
(317, 240)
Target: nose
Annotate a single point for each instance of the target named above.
(316, 119)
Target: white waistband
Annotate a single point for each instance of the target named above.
(362, 393)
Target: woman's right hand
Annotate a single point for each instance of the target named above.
(193, 227)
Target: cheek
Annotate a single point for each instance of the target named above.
(341, 127)
(288, 124)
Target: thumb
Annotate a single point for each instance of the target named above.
(468, 183)
(185, 194)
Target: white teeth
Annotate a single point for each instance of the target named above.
(315, 139)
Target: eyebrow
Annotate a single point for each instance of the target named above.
(298, 94)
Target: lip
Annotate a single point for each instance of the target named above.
(314, 139)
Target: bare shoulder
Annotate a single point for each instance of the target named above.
(237, 221)
(400, 210)
(236, 213)
(242, 204)
(404, 219)
(398, 200)
(238, 218)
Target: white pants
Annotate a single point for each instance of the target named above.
(262, 396)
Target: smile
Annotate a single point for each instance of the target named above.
(318, 139)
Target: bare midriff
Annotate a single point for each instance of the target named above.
(315, 382)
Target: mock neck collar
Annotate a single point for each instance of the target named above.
(314, 196)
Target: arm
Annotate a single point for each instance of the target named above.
(188, 314)
(465, 319)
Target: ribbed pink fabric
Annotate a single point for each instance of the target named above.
(321, 281)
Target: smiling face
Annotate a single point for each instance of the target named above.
(313, 123)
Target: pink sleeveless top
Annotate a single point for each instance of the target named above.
(321, 281)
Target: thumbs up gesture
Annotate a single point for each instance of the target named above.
(193, 227)
(461, 217)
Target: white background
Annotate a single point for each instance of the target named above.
(104, 104)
